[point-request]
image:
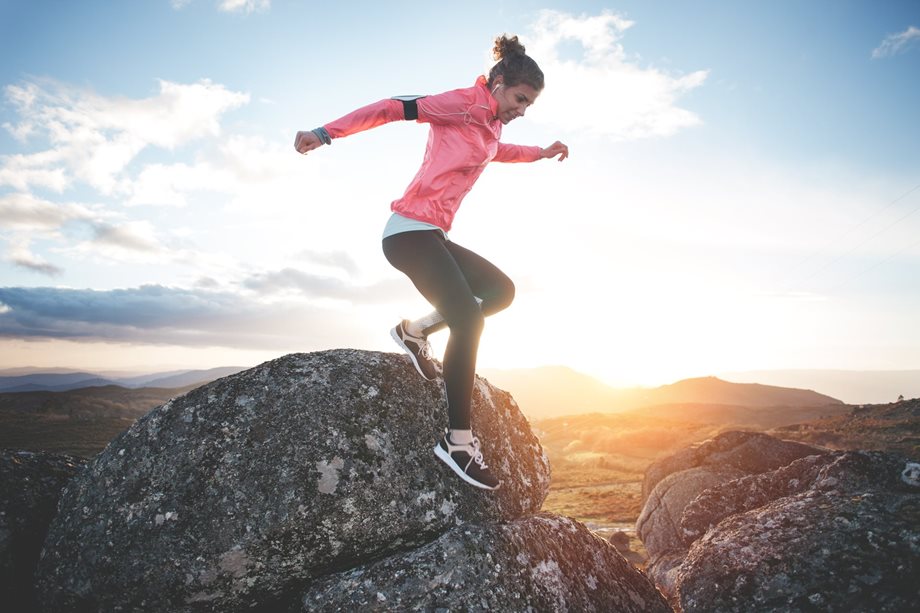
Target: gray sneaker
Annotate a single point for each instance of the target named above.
(418, 348)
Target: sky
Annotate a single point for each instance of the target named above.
(742, 191)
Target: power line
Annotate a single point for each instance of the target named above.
(856, 227)
(860, 244)
(847, 280)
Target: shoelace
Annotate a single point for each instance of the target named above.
(424, 348)
(477, 454)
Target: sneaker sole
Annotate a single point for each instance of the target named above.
(445, 457)
(411, 355)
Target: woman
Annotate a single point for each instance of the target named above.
(463, 287)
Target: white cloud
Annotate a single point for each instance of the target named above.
(897, 43)
(21, 256)
(93, 138)
(298, 282)
(133, 236)
(26, 212)
(230, 6)
(42, 170)
(604, 91)
(244, 6)
(28, 217)
(242, 166)
(170, 184)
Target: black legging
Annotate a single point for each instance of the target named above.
(450, 278)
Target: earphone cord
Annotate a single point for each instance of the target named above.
(468, 114)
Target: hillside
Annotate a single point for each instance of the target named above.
(52, 382)
(79, 422)
(553, 391)
(887, 427)
(851, 386)
(57, 380)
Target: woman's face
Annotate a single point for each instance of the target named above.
(514, 100)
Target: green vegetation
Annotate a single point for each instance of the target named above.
(79, 422)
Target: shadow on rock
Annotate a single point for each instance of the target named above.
(30, 486)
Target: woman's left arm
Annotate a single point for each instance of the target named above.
(520, 153)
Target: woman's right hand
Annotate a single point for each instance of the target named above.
(306, 141)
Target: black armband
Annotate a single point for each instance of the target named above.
(410, 106)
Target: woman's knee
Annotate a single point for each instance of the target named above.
(469, 321)
(500, 298)
(507, 293)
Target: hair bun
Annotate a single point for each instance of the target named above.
(506, 47)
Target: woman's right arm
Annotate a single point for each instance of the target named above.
(452, 107)
(365, 118)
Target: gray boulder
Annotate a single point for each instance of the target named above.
(241, 492)
(538, 563)
(659, 523)
(692, 471)
(748, 452)
(30, 486)
(839, 532)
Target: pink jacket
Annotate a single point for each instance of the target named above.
(463, 139)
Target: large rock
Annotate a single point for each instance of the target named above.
(659, 523)
(30, 486)
(539, 563)
(839, 532)
(748, 452)
(675, 481)
(241, 492)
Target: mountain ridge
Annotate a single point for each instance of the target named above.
(554, 391)
(55, 381)
(542, 392)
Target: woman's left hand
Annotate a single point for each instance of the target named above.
(555, 149)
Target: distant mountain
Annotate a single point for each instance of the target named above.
(52, 382)
(711, 390)
(191, 377)
(543, 392)
(851, 386)
(557, 390)
(145, 380)
(55, 381)
(740, 417)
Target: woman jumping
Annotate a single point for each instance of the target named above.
(463, 287)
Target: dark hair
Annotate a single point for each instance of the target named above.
(514, 65)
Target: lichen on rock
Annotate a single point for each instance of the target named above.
(241, 492)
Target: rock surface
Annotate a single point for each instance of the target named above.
(538, 563)
(30, 486)
(749, 452)
(838, 532)
(241, 492)
(692, 471)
